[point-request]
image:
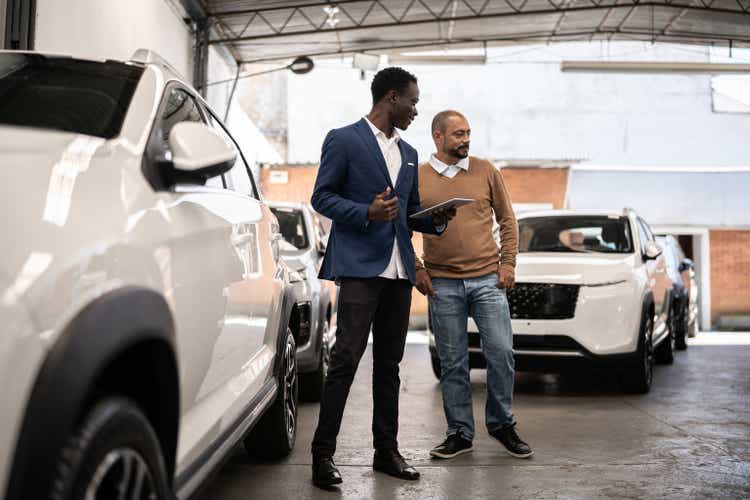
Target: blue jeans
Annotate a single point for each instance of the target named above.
(455, 300)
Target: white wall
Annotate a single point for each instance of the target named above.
(520, 105)
(114, 29)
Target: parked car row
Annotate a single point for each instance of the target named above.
(594, 287)
(303, 248)
(151, 323)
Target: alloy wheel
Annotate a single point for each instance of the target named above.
(290, 389)
(648, 352)
(123, 473)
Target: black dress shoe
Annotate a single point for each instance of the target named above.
(508, 436)
(392, 463)
(324, 472)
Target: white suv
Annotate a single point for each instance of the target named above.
(144, 305)
(591, 286)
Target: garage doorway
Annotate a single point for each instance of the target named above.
(695, 245)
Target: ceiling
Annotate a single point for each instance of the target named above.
(273, 30)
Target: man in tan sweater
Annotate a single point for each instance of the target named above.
(463, 273)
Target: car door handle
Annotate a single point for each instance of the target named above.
(276, 236)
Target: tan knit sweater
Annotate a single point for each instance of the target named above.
(467, 249)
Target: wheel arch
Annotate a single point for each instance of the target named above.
(99, 346)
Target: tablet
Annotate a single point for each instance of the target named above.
(453, 202)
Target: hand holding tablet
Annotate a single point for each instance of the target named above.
(445, 205)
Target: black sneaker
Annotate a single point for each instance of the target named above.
(508, 436)
(453, 446)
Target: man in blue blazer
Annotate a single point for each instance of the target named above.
(367, 185)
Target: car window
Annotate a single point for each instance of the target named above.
(61, 93)
(292, 226)
(643, 234)
(180, 106)
(649, 232)
(575, 233)
(239, 177)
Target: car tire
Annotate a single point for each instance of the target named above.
(312, 384)
(681, 331)
(638, 374)
(114, 437)
(664, 352)
(276, 432)
(435, 365)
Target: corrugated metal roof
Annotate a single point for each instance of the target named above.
(279, 30)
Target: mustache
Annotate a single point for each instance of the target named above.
(465, 145)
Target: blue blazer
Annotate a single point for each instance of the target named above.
(352, 171)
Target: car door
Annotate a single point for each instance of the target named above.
(207, 249)
(262, 287)
(658, 279)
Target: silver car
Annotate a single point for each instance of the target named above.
(303, 248)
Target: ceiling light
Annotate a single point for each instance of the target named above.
(331, 12)
(652, 67)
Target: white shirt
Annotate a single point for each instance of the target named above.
(392, 155)
(449, 171)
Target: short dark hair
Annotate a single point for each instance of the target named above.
(438, 122)
(388, 79)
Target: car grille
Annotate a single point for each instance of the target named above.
(535, 342)
(542, 301)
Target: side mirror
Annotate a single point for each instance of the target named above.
(653, 250)
(199, 152)
(686, 264)
(322, 245)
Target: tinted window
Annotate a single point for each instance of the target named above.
(643, 234)
(70, 95)
(239, 175)
(575, 234)
(179, 107)
(292, 226)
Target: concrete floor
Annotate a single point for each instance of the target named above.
(688, 438)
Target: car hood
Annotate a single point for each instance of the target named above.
(573, 268)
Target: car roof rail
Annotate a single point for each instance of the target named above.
(148, 56)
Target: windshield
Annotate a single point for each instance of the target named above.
(60, 93)
(292, 226)
(575, 234)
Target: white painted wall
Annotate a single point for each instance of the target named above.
(520, 105)
(100, 29)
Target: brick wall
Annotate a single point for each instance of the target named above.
(537, 185)
(730, 272)
(298, 188)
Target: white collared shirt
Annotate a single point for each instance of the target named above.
(392, 155)
(449, 171)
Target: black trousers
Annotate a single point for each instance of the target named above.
(383, 304)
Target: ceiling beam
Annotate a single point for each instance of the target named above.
(629, 4)
(540, 37)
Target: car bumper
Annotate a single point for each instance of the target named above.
(604, 329)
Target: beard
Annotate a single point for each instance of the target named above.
(460, 152)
